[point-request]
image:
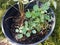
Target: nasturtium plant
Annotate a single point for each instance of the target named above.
(36, 20)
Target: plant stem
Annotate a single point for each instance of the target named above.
(21, 10)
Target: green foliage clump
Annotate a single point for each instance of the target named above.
(37, 18)
(19, 36)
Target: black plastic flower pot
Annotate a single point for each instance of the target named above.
(6, 25)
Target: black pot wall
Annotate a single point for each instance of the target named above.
(13, 12)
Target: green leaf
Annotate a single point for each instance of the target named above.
(35, 8)
(26, 24)
(54, 4)
(33, 14)
(37, 20)
(34, 31)
(47, 17)
(17, 30)
(34, 24)
(30, 25)
(28, 34)
(24, 31)
(42, 18)
(38, 27)
(37, 13)
(45, 6)
(19, 36)
(21, 27)
(28, 14)
(20, 31)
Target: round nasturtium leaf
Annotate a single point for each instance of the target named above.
(33, 15)
(26, 24)
(34, 24)
(34, 31)
(47, 17)
(28, 14)
(45, 6)
(35, 8)
(17, 30)
(28, 34)
(42, 18)
(20, 31)
(19, 36)
(24, 31)
(38, 27)
(37, 13)
(37, 20)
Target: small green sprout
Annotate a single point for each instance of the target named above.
(26, 24)
(28, 34)
(28, 14)
(45, 6)
(19, 36)
(35, 8)
(20, 31)
(17, 30)
(47, 17)
(42, 18)
(34, 31)
(24, 31)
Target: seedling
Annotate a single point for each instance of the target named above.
(32, 22)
